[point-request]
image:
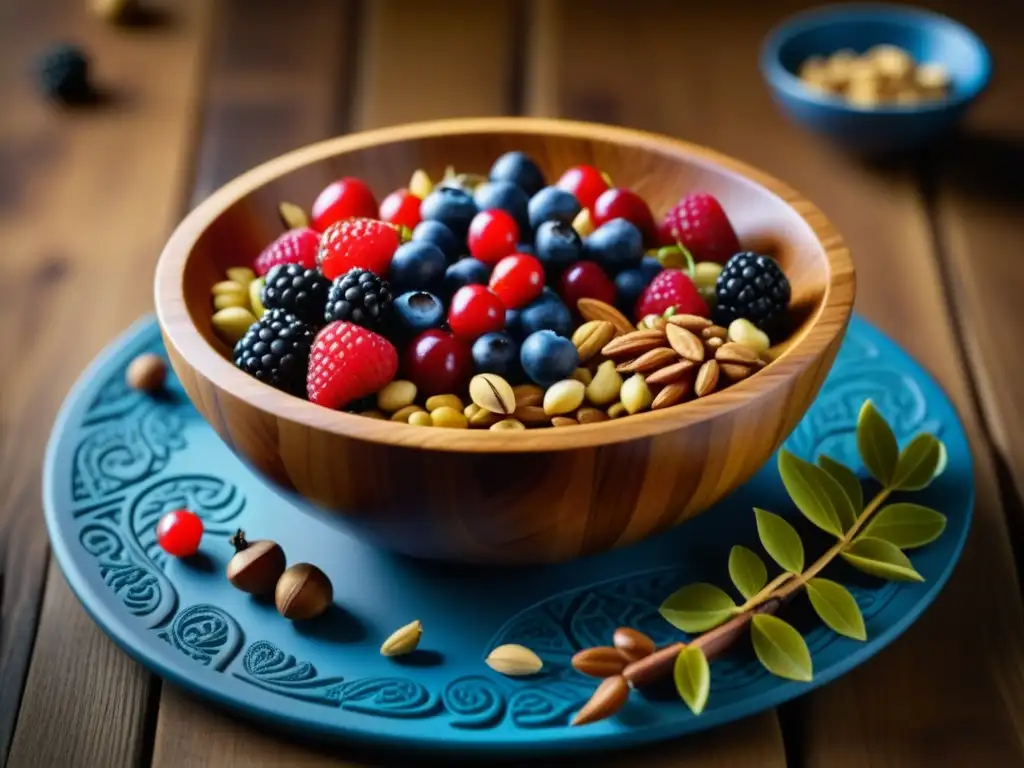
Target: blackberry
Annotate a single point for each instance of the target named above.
(753, 287)
(299, 291)
(275, 350)
(63, 73)
(359, 297)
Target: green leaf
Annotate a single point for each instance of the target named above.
(781, 648)
(837, 608)
(747, 571)
(917, 463)
(943, 459)
(815, 493)
(906, 525)
(877, 444)
(697, 607)
(693, 678)
(848, 479)
(780, 540)
(880, 558)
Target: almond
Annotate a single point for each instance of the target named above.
(736, 372)
(591, 337)
(731, 352)
(648, 361)
(685, 343)
(692, 323)
(531, 415)
(707, 379)
(514, 660)
(592, 309)
(672, 394)
(602, 661)
(657, 322)
(563, 421)
(608, 699)
(588, 415)
(403, 640)
(528, 394)
(632, 643)
(671, 373)
(635, 343)
(715, 332)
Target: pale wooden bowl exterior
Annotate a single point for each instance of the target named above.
(478, 496)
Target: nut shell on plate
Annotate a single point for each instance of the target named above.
(364, 469)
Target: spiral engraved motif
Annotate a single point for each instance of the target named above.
(476, 702)
(206, 634)
(387, 696)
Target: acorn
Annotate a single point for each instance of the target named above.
(256, 566)
(303, 592)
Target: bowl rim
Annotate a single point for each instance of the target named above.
(780, 77)
(828, 322)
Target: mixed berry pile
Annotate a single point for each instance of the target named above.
(534, 289)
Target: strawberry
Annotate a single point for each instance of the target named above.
(698, 222)
(671, 288)
(296, 246)
(364, 243)
(348, 362)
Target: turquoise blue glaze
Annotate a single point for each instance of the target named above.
(117, 460)
(926, 35)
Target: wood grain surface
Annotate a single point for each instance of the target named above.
(949, 693)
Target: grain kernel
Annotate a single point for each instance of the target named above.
(617, 411)
(292, 216)
(744, 332)
(636, 395)
(232, 323)
(256, 296)
(241, 275)
(439, 401)
(403, 414)
(421, 419)
(226, 287)
(583, 223)
(564, 397)
(507, 424)
(420, 184)
(604, 389)
(449, 417)
(583, 375)
(396, 395)
(480, 417)
(225, 300)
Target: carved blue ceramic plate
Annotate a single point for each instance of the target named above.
(118, 460)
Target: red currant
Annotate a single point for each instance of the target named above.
(628, 205)
(517, 279)
(585, 182)
(346, 198)
(586, 280)
(401, 208)
(492, 236)
(474, 311)
(178, 533)
(438, 363)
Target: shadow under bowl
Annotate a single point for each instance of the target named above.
(471, 496)
(927, 36)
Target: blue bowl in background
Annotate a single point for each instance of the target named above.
(927, 36)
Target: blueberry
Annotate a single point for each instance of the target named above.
(508, 197)
(467, 271)
(452, 207)
(557, 245)
(526, 248)
(547, 357)
(417, 311)
(552, 204)
(649, 267)
(417, 265)
(615, 245)
(497, 353)
(437, 233)
(629, 284)
(518, 168)
(512, 322)
(545, 313)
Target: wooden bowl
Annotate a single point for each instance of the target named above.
(544, 495)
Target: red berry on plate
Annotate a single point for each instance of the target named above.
(474, 311)
(492, 236)
(348, 362)
(401, 208)
(585, 182)
(178, 533)
(347, 198)
(438, 363)
(296, 246)
(698, 222)
(364, 243)
(586, 280)
(517, 279)
(628, 205)
(671, 288)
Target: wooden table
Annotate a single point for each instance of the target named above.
(205, 91)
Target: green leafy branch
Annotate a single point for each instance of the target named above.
(871, 537)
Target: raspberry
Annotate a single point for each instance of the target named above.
(296, 246)
(348, 362)
(698, 222)
(364, 243)
(671, 288)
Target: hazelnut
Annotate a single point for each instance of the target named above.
(256, 566)
(147, 373)
(303, 592)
